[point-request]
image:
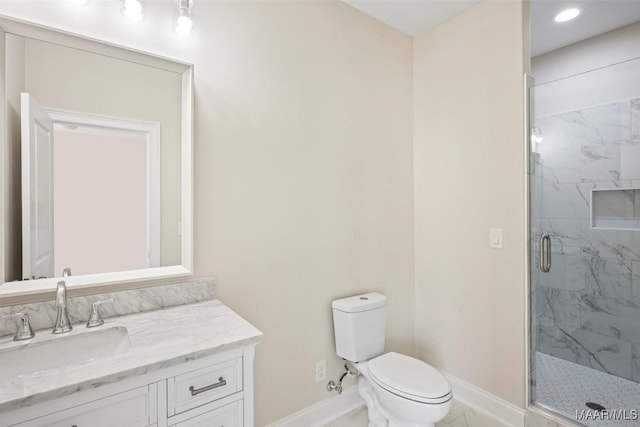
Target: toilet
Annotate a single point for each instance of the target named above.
(399, 391)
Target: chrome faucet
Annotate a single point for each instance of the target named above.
(62, 318)
(66, 272)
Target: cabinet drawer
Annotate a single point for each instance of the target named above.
(134, 408)
(227, 416)
(204, 385)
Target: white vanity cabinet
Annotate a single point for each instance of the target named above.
(130, 408)
(230, 415)
(213, 391)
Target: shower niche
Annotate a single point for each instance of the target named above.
(615, 209)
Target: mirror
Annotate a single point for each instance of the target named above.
(97, 162)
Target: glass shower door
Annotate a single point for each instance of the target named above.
(584, 187)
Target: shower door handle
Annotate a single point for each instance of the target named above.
(545, 253)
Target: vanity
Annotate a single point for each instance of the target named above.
(189, 365)
(113, 210)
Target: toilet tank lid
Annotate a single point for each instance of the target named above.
(358, 303)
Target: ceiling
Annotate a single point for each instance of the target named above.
(415, 17)
(597, 17)
(412, 17)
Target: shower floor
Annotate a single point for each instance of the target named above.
(565, 387)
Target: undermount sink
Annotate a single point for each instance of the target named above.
(60, 351)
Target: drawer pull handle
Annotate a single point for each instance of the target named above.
(221, 383)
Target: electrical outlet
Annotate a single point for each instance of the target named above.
(321, 371)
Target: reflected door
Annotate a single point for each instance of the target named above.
(37, 190)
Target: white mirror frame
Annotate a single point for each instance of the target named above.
(35, 287)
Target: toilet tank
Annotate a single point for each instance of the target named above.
(359, 326)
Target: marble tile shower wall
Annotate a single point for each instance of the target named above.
(587, 307)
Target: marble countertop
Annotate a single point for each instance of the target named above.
(159, 339)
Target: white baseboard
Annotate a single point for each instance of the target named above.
(483, 401)
(323, 412)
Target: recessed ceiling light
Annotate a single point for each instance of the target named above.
(567, 15)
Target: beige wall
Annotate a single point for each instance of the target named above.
(303, 180)
(469, 177)
(303, 168)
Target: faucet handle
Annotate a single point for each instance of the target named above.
(24, 331)
(95, 319)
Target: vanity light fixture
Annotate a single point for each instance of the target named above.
(566, 15)
(184, 22)
(132, 9)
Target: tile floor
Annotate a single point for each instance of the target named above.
(566, 387)
(561, 385)
(460, 415)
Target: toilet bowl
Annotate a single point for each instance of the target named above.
(399, 390)
(413, 393)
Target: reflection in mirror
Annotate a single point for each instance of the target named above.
(59, 229)
(98, 146)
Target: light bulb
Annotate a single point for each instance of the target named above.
(184, 22)
(132, 9)
(184, 25)
(567, 15)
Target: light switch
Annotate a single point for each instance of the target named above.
(495, 238)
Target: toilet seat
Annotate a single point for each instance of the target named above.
(409, 378)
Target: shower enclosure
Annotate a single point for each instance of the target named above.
(584, 199)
